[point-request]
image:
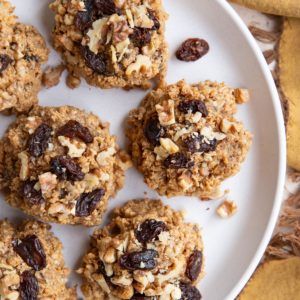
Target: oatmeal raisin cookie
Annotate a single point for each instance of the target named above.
(22, 52)
(112, 43)
(185, 139)
(31, 263)
(61, 165)
(145, 252)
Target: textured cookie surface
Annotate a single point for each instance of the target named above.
(185, 139)
(61, 165)
(31, 263)
(112, 43)
(145, 252)
(22, 52)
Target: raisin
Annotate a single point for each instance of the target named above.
(30, 194)
(31, 251)
(38, 141)
(193, 106)
(189, 292)
(105, 7)
(194, 265)
(153, 131)
(84, 19)
(97, 62)
(177, 161)
(29, 286)
(140, 37)
(5, 61)
(149, 230)
(66, 168)
(74, 129)
(199, 144)
(101, 268)
(192, 49)
(87, 202)
(153, 17)
(139, 260)
(142, 297)
(29, 58)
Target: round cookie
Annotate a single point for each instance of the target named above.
(185, 139)
(61, 165)
(145, 252)
(22, 52)
(32, 263)
(111, 43)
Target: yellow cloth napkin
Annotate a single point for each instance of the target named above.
(275, 280)
(289, 77)
(289, 8)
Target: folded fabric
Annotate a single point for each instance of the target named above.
(274, 280)
(289, 8)
(289, 77)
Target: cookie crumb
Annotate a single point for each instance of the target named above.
(227, 209)
(51, 76)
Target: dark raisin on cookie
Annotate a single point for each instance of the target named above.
(199, 144)
(87, 202)
(154, 131)
(178, 161)
(31, 195)
(140, 37)
(5, 61)
(149, 230)
(155, 20)
(84, 19)
(31, 250)
(39, 140)
(192, 49)
(194, 265)
(139, 260)
(66, 168)
(193, 106)
(29, 286)
(30, 58)
(73, 129)
(189, 292)
(97, 62)
(105, 7)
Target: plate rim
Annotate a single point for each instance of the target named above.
(281, 150)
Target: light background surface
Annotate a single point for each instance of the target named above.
(231, 246)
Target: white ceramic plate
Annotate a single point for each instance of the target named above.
(233, 247)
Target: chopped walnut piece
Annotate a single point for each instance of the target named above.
(169, 145)
(104, 155)
(193, 117)
(51, 76)
(91, 181)
(161, 152)
(227, 126)
(24, 165)
(96, 34)
(48, 182)
(32, 124)
(227, 209)
(120, 30)
(185, 180)
(141, 18)
(75, 147)
(129, 18)
(166, 114)
(99, 278)
(241, 95)
(141, 64)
